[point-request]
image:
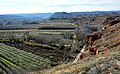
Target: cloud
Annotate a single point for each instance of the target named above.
(40, 6)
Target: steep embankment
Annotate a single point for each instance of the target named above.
(106, 62)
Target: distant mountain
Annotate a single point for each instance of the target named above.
(61, 15)
(16, 19)
(29, 15)
(76, 14)
(79, 16)
(35, 15)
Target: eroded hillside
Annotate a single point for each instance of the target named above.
(107, 62)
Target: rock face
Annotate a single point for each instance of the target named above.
(110, 63)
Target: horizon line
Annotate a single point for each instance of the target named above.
(60, 11)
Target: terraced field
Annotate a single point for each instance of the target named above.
(15, 61)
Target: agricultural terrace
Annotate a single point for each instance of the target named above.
(14, 61)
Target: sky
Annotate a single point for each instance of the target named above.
(48, 6)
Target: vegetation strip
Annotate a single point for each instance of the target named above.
(40, 45)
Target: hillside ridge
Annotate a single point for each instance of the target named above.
(105, 62)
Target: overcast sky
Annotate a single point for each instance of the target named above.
(44, 6)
